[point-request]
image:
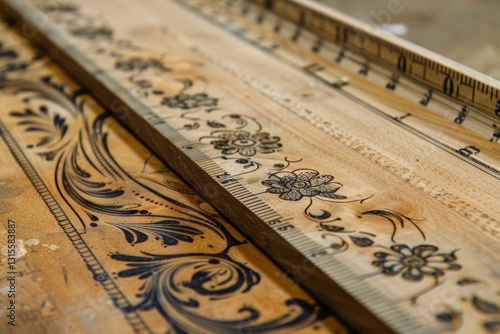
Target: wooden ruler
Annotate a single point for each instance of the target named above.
(377, 192)
(468, 87)
(408, 82)
(92, 223)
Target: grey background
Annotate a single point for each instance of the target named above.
(467, 31)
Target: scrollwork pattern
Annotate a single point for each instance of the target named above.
(239, 140)
(102, 193)
(237, 135)
(183, 281)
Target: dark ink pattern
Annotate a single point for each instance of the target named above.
(467, 281)
(416, 262)
(176, 284)
(51, 127)
(485, 306)
(186, 101)
(133, 64)
(450, 317)
(13, 61)
(489, 308)
(7, 53)
(293, 186)
(102, 193)
(299, 183)
(492, 326)
(169, 231)
(244, 143)
(396, 218)
(248, 166)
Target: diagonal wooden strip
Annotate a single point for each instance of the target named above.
(105, 232)
(393, 252)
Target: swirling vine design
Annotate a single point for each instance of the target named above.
(102, 193)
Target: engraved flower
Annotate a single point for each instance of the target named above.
(415, 262)
(245, 143)
(292, 186)
(186, 101)
(139, 64)
(93, 32)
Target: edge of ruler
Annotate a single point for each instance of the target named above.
(448, 66)
(394, 39)
(314, 281)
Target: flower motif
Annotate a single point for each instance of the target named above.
(91, 32)
(292, 186)
(244, 143)
(186, 101)
(415, 262)
(139, 64)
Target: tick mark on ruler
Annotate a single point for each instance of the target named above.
(314, 67)
(364, 70)
(340, 83)
(496, 134)
(403, 117)
(462, 115)
(392, 84)
(468, 151)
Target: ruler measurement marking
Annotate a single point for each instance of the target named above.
(439, 101)
(259, 208)
(293, 232)
(309, 16)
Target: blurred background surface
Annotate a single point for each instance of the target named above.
(467, 31)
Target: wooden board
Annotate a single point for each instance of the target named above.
(107, 238)
(390, 219)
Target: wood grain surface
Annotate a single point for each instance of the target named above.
(385, 210)
(438, 25)
(107, 237)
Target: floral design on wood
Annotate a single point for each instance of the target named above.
(412, 262)
(105, 196)
(186, 101)
(292, 186)
(244, 143)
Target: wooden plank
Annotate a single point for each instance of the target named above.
(344, 197)
(453, 79)
(105, 237)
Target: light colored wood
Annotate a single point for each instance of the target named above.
(435, 71)
(388, 224)
(430, 24)
(75, 239)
